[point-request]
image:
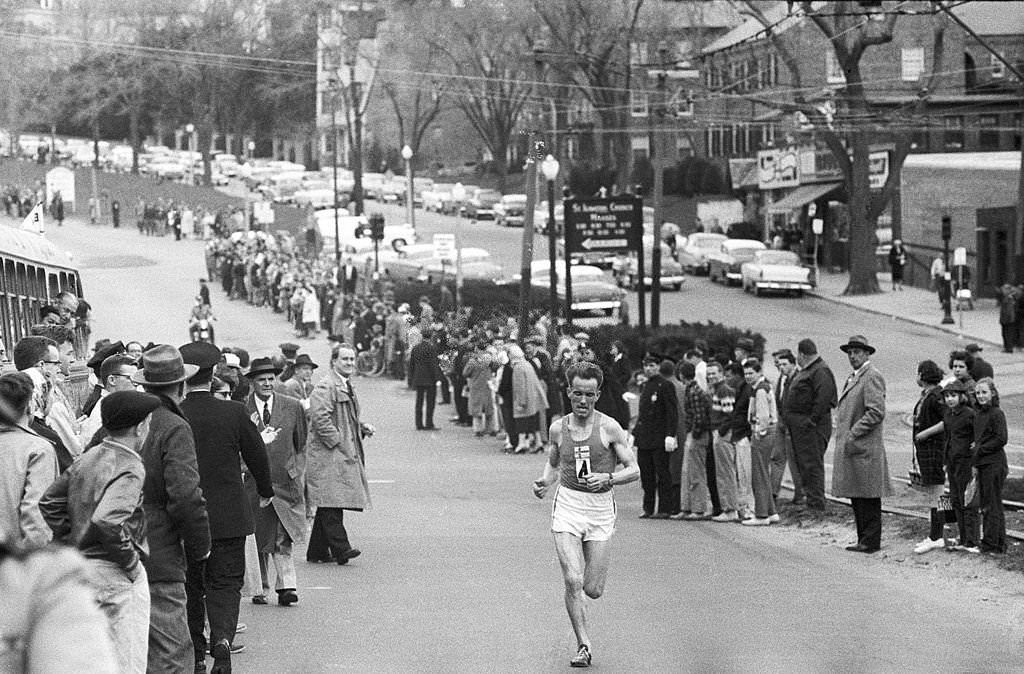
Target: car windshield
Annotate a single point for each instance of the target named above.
(710, 242)
(783, 257)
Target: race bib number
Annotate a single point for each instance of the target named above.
(582, 455)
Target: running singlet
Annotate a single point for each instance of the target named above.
(578, 459)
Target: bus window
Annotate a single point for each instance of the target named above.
(55, 285)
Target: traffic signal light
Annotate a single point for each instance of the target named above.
(377, 227)
(947, 228)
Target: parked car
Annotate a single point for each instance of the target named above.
(776, 270)
(319, 198)
(591, 291)
(510, 210)
(476, 264)
(540, 217)
(351, 228)
(373, 183)
(725, 264)
(627, 270)
(434, 198)
(693, 255)
(481, 205)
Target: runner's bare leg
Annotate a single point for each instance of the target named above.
(570, 556)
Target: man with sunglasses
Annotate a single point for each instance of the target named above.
(585, 447)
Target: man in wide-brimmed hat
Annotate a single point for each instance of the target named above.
(860, 469)
(176, 517)
(224, 435)
(300, 386)
(281, 420)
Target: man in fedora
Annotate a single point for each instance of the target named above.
(281, 421)
(176, 517)
(300, 386)
(223, 434)
(860, 470)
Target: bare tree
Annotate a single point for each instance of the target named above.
(855, 122)
(486, 49)
(590, 47)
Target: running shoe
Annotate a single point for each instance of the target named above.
(927, 545)
(582, 657)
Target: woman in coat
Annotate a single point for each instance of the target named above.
(990, 464)
(478, 372)
(335, 463)
(897, 261)
(529, 400)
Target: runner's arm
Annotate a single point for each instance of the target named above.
(550, 475)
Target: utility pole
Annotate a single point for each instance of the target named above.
(535, 155)
(658, 156)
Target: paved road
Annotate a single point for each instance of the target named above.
(458, 572)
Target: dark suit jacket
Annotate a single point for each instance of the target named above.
(223, 431)
(424, 368)
(658, 416)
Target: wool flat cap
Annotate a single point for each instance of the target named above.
(124, 409)
(103, 353)
(288, 348)
(201, 354)
(973, 348)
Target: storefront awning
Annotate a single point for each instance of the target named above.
(804, 194)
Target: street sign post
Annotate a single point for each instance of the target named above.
(610, 225)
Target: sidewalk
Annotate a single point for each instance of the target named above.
(916, 305)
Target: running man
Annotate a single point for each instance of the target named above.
(585, 448)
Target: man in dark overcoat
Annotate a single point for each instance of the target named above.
(655, 433)
(281, 421)
(808, 416)
(224, 437)
(424, 373)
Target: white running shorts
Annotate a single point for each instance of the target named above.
(587, 515)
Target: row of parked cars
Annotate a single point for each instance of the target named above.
(748, 263)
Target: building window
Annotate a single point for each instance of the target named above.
(833, 72)
(988, 132)
(684, 51)
(684, 148)
(641, 146)
(728, 140)
(715, 144)
(912, 63)
(998, 69)
(770, 74)
(953, 133)
(920, 139)
(638, 103)
(637, 53)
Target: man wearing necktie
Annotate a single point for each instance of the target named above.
(282, 424)
(336, 465)
(860, 471)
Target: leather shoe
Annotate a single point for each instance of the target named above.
(351, 553)
(312, 560)
(645, 515)
(860, 547)
(221, 653)
(287, 597)
(259, 599)
(431, 428)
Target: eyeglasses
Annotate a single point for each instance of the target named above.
(51, 362)
(590, 395)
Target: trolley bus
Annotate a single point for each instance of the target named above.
(35, 271)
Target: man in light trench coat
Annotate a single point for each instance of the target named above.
(860, 470)
(335, 463)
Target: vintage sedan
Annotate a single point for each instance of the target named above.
(725, 264)
(415, 266)
(481, 204)
(776, 271)
(591, 291)
(627, 270)
(510, 210)
(693, 255)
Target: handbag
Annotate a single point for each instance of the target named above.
(972, 498)
(914, 474)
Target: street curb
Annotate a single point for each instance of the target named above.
(876, 312)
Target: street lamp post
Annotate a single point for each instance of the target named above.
(410, 209)
(458, 194)
(190, 129)
(334, 179)
(550, 168)
(947, 278)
